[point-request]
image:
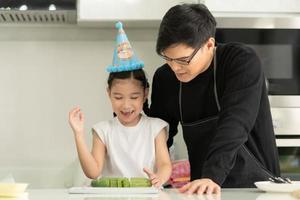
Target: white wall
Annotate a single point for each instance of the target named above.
(44, 72)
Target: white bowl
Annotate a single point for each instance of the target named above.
(277, 187)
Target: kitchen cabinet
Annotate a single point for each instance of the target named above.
(253, 7)
(93, 11)
(149, 13)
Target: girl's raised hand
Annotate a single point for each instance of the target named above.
(76, 120)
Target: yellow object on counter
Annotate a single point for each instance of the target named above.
(12, 189)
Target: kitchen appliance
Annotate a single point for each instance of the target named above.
(277, 43)
(38, 11)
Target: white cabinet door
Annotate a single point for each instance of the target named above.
(253, 6)
(107, 10)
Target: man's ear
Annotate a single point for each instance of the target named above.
(211, 43)
(146, 94)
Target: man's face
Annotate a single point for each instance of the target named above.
(199, 62)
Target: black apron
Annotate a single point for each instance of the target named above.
(198, 136)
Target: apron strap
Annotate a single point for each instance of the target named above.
(215, 81)
(180, 105)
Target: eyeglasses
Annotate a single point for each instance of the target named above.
(183, 60)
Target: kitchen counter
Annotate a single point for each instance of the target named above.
(168, 194)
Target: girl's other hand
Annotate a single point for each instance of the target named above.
(76, 120)
(154, 179)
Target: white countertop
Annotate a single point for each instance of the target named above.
(167, 194)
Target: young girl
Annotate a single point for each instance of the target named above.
(129, 145)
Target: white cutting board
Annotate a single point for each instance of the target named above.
(113, 190)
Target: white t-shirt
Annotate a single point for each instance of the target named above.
(129, 149)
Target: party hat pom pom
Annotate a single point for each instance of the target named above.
(119, 25)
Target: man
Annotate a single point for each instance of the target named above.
(218, 94)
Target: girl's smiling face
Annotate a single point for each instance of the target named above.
(127, 97)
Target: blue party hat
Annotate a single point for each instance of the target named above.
(124, 58)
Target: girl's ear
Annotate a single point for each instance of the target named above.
(108, 91)
(146, 94)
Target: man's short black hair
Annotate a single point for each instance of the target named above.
(190, 24)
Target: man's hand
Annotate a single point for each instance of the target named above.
(201, 186)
